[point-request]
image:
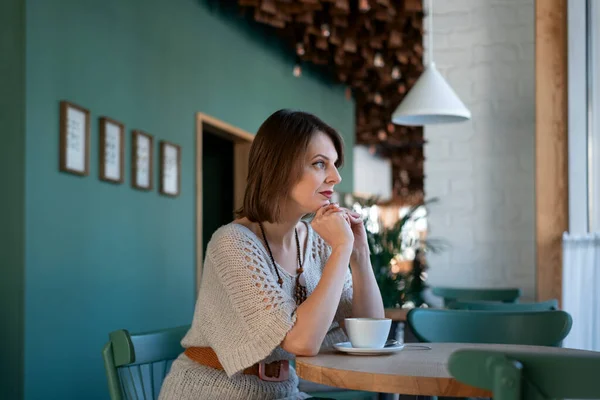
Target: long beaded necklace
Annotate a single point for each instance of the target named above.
(300, 290)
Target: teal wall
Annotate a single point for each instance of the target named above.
(12, 199)
(99, 256)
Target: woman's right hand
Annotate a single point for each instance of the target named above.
(330, 222)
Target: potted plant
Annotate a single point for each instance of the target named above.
(398, 254)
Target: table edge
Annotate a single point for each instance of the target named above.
(384, 383)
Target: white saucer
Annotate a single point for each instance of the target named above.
(346, 347)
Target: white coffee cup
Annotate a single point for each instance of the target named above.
(369, 333)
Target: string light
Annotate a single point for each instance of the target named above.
(378, 60)
(297, 70)
(396, 73)
(325, 30)
(300, 49)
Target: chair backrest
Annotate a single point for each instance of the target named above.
(498, 306)
(136, 364)
(541, 328)
(529, 375)
(506, 295)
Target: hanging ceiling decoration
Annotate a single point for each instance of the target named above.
(375, 47)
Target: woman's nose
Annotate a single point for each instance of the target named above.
(334, 177)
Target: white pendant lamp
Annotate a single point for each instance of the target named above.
(431, 100)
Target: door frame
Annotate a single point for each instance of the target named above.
(242, 141)
(551, 145)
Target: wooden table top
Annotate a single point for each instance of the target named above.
(410, 371)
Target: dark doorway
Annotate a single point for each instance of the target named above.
(217, 184)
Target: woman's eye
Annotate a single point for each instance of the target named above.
(319, 164)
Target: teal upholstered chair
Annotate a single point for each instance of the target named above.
(529, 375)
(498, 306)
(542, 328)
(507, 295)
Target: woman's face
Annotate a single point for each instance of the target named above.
(319, 176)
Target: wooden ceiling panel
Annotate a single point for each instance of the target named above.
(375, 47)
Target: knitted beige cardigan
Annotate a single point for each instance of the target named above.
(243, 315)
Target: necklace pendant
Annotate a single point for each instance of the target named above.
(301, 293)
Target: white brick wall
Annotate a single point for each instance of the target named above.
(372, 174)
(483, 170)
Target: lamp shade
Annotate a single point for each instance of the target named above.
(430, 101)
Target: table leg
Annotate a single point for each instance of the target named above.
(402, 333)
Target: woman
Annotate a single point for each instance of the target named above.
(274, 286)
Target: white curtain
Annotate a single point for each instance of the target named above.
(581, 289)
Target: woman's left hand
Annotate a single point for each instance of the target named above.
(361, 245)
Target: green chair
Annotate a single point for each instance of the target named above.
(497, 306)
(340, 394)
(507, 295)
(529, 375)
(136, 365)
(542, 328)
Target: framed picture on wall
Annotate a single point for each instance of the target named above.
(74, 139)
(170, 168)
(112, 150)
(141, 160)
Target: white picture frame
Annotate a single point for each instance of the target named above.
(74, 139)
(111, 151)
(170, 168)
(141, 160)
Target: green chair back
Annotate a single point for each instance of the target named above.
(529, 375)
(497, 306)
(137, 364)
(507, 295)
(542, 328)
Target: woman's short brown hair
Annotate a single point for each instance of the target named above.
(276, 156)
